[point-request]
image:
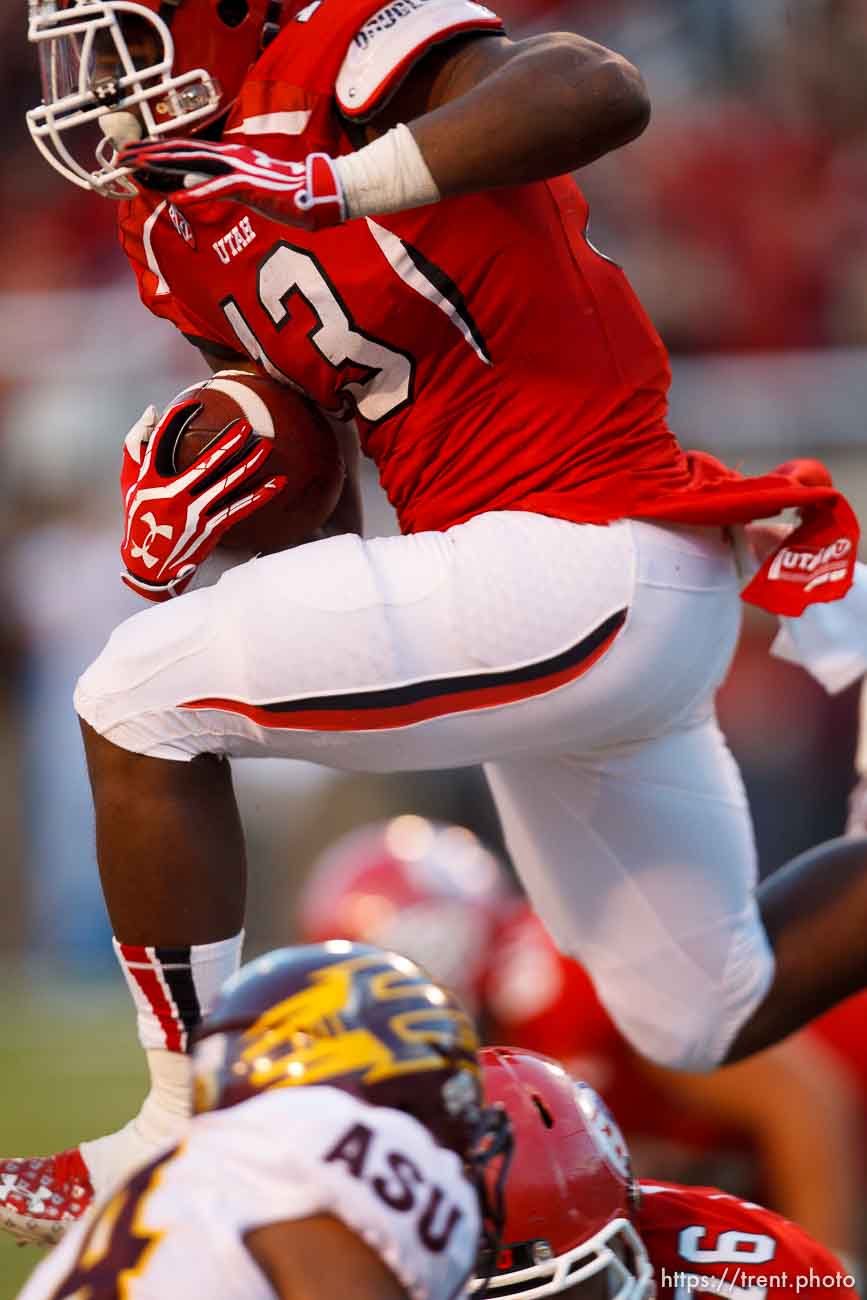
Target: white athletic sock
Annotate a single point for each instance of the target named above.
(162, 1120)
(172, 989)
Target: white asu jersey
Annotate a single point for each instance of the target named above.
(175, 1230)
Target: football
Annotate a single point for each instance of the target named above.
(305, 450)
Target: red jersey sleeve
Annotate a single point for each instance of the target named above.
(393, 39)
(703, 1240)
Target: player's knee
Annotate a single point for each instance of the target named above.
(127, 692)
(92, 689)
(108, 680)
(689, 1025)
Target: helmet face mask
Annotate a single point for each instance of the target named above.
(71, 40)
(128, 69)
(617, 1251)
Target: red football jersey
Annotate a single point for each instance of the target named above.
(493, 358)
(701, 1240)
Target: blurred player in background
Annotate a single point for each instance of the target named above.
(566, 601)
(338, 1135)
(579, 1225)
(418, 887)
(786, 1126)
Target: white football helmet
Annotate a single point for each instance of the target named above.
(115, 71)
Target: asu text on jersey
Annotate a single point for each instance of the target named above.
(176, 1230)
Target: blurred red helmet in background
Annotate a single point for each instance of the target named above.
(427, 889)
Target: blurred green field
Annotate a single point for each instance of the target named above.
(70, 1069)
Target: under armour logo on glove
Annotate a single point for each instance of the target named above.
(306, 194)
(174, 520)
(154, 530)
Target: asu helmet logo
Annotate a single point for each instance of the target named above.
(346, 1015)
(309, 1037)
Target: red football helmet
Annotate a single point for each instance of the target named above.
(569, 1191)
(424, 888)
(132, 68)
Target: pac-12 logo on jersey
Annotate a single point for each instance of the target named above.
(397, 1180)
(181, 225)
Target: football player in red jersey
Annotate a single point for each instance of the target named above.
(578, 1225)
(375, 210)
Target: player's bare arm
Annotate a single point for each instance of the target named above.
(553, 103)
(800, 1115)
(320, 1258)
(815, 913)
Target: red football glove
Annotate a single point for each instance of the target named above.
(173, 521)
(306, 194)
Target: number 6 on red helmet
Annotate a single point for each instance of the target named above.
(172, 521)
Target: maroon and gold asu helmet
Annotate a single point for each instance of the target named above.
(348, 1016)
(123, 69)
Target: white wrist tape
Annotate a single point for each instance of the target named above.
(388, 175)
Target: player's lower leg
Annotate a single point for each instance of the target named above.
(171, 857)
(815, 913)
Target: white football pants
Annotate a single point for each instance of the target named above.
(578, 663)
